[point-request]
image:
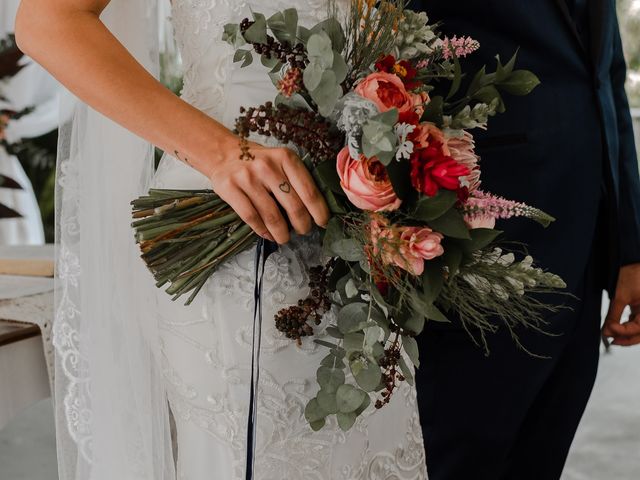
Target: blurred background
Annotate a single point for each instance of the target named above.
(608, 442)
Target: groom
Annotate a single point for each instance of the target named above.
(568, 149)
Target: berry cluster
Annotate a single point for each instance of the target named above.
(294, 321)
(306, 129)
(293, 55)
(391, 375)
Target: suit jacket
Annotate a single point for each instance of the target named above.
(567, 148)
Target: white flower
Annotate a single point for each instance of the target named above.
(405, 147)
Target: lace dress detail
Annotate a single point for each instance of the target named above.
(206, 347)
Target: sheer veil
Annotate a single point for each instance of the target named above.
(111, 409)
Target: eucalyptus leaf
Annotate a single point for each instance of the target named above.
(243, 56)
(367, 373)
(233, 36)
(410, 346)
(352, 317)
(406, 371)
(313, 412)
(353, 342)
(335, 333)
(346, 420)
(257, 33)
(347, 249)
(330, 379)
(327, 401)
(349, 398)
(365, 404)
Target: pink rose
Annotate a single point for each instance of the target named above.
(366, 183)
(387, 91)
(418, 244)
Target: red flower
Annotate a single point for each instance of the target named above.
(386, 64)
(431, 170)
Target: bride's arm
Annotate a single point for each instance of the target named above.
(68, 39)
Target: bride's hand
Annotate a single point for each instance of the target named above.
(254, 188)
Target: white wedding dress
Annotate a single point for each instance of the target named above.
(207, 347)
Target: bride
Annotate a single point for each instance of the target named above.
(127, 356)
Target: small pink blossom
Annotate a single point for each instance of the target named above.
(459, 47)
(481, 210)
(404, 247)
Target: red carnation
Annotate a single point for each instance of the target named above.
(431, 170)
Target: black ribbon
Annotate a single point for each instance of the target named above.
(264, 248)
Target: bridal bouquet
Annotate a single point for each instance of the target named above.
(374, 104)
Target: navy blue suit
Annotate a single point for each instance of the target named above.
(568, 149)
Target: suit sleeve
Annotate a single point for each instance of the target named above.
(629, 193)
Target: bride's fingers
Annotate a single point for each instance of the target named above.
(242, 205)
(302, 182)
(286, 196)
(269, 212)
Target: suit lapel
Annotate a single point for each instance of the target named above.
(569, 22)
(597, 13)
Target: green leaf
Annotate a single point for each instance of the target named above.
(332, 233)
(327, 401)
(347, 249)
(243, 56)
(520, 82)
(330, 379)
(270, 62)
(433, 111)
(319, 49)
(477, 82)
(327, 93)
(353, 317)
(457, 78)
(318, 425)
(406, 371)
(313, 412)
(233, 36)
(451, 224)
(432, 280)
(332, 361)
(488, 94)
(503, 71)
(257, 33)
(325, 344)
(399, 175)
(353, 342)
(410, 346)
(482, 237)
(365, 404)
(430, 208)
(452, 258)
(340, 68)
(349, 398)
(346, 420)
(366, 372)
(312, 76)
(335, 333)
(284, 25)
(333, 29)
(326, 174)
(433, 313)
(415, 323)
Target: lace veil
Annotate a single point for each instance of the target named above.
(111, 409)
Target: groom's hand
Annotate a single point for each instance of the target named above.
(627, 294)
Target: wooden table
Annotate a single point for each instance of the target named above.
(26, 352)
